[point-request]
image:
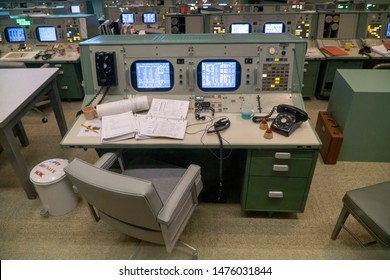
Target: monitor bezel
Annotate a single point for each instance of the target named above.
(7, 37)
(240, 23)
(37, 32)
(227, 89)
(133, 76)
(127, 13)
(148, 13)
(274, 22)
(387, 35)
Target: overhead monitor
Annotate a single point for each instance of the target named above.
(46, 34)
(152, 75)
(127, 18)
(274, 27)
(75, 9)
(219, 75)
(240, 28)
(388, 30)
(149, 17)
(15, 34)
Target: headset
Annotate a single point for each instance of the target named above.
(220, 125)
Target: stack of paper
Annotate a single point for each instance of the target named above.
(166, 118)
(118, 127)
(381, 49)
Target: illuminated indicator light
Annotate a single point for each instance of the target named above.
(276, 59)
(272, 86)
(277, 82)
(277, 79)
(264, 75)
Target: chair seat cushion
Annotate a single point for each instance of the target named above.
(371, 205)
(164, 176)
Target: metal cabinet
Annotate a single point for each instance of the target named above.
(277, 180)
(69, 79)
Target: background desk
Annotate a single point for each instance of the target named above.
(19, 91)
(69, 77)
(251, 153)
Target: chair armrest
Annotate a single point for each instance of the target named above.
(174, 203)
(107, 160)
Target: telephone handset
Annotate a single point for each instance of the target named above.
(289, 118)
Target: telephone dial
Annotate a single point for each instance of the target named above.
(289, 118)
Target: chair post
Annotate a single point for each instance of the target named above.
(340, 222)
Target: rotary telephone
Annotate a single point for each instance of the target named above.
(289, 118)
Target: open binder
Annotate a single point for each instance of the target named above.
(165, 118)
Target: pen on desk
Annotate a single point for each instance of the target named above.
(89, 128)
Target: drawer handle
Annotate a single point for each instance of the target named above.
(283, 155)
(280, 167)
(275, 194)
(64, 87)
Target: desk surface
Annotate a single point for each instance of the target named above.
(241, 134)
(17, 88)
(28, 57)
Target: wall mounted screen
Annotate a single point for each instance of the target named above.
(219, 75)
(15, 34)
(388, 30)
(75, 9)
(274, 27)
(46, 34)
(152, 75)
(149, 18)
(240, 28)
(127, 18)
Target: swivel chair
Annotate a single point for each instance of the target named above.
(370, 206)
(149, 201)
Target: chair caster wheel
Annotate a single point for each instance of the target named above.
(44, 120)
(44, 213)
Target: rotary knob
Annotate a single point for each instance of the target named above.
(272, 50)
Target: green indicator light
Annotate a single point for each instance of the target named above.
(23, 22)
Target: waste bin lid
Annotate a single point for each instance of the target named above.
(48, 172)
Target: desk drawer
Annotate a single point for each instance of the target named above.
(291, 154)
(266, 166)
(276, 194)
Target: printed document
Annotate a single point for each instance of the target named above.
(118, 127)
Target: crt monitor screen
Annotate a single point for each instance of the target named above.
(388, 30)
(46, 34)
(151, 75)
(240, 28)
(75, 9)
(127, 18)
(274, 27)
(149, 18)
(15, 34)
(219, 75)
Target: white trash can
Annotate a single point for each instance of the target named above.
(53, 187)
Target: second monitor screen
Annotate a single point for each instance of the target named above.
(219, 75)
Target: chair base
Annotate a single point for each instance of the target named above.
(136, 250)
(341, 224)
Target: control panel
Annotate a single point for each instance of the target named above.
(21, 38)
(222, 69)
(376, 27)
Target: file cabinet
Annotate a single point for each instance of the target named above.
(277, 180)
